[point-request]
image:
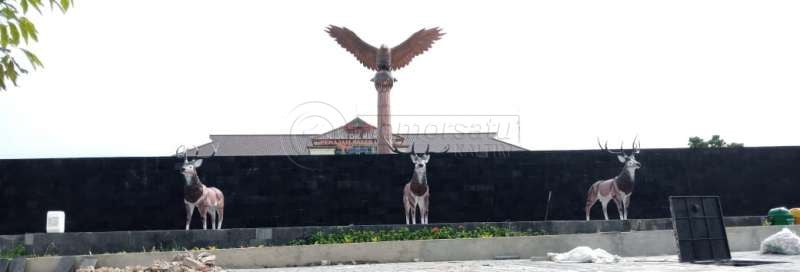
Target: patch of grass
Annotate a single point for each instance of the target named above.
(174, 247)
(362, 236)
(204, 248)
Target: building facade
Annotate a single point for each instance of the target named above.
(355, 137)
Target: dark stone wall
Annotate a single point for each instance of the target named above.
(111, 194)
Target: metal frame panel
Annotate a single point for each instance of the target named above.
(699, 228)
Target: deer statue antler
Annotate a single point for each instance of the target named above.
(214, 147)
(178, 152)
(397, 151)
(605, 148)
(427, 150)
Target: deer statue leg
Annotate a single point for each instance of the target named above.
(427, 209)
(203, 215)
(423, 210)
(587, 210)
(414, 213)
(407, 206)
(189, 211)
(604, 202)
(627, 203)
(220, 213)
(591, 199)
(220, 208)
(213, 212)
(620, 210)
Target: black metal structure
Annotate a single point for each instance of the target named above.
(699, 230)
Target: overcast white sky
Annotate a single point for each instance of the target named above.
(138, 78)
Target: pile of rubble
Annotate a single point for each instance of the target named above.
(184, 262)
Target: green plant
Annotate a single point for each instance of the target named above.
(15, 29)
(16, 251)
(204, 248)
(399, 234)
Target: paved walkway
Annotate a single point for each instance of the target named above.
(633, 264)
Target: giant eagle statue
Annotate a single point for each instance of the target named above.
(383, 60)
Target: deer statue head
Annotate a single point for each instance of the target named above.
(629, 161)
(189, 167)
(420, 160)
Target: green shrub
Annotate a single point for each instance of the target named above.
(400, 234)
(17, 251)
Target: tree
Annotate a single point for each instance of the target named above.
(697, 142)
(17, 30)
(735, 145)
(715, 142)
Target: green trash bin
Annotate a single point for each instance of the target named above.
(780, 216)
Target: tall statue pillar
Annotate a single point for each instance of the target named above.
(383, 84)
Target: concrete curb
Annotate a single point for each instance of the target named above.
(79, 243)
(627, 244)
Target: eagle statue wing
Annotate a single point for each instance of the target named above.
(418, 43)
(365, 53)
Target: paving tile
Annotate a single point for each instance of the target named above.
(633, 264)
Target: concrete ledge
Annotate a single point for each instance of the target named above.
(628, 244)
(77, 243)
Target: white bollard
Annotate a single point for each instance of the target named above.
(55, 221)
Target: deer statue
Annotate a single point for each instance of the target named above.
(618, 188)
(416, 193)
(208, 200)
